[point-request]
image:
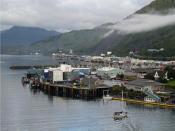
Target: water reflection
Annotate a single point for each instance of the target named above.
(50, 98)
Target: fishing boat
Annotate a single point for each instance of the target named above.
(120, 115)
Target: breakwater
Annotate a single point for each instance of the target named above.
(18, 67)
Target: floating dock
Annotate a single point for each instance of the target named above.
(146, 103)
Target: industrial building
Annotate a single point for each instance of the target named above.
(65, 73)
(109, 72)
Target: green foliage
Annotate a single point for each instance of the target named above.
(171, 83)
(117, 91)
(150, 76)
(171, 72)
(162, 79)
(135, 94)
(120, 76)
(161, 6)
(164, 37)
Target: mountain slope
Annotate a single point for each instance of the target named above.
(24, 35)
(160, 6)
(140, 42)
(80, 41)
(100, 39)
(164, 37)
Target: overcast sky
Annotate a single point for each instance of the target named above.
(65, 15)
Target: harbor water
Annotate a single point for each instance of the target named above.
(23, 109)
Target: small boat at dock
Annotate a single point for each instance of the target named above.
(106, 96)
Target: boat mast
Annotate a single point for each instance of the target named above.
(89, 82)
(122, 100)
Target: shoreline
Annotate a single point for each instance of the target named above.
(145, 103)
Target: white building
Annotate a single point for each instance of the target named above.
(149, 99)
(65, 68)
(109, 71)
(55, 75)
(156, 76)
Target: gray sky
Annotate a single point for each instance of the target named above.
(64, 15)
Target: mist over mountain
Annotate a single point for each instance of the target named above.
(144, 22)
(152, 27)
(149, 28)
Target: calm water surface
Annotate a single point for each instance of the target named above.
(25, 110)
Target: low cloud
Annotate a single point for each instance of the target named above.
(108, 33)
(66, 15)
(144, 22)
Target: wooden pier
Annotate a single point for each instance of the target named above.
(70, 90)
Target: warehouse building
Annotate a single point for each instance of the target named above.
(109, 72)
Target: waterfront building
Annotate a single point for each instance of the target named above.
(111, 83)
(149, 99)
(139, 84)
(109, 72)
(65, 73)
(66, 68)
(55, 75)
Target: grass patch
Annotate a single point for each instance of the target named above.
(171, 84)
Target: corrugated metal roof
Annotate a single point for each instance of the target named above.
(144, 82)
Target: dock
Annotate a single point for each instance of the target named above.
(164, 105)
(70, 91)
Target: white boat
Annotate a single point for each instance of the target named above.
(120, 115)
(106, 96)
